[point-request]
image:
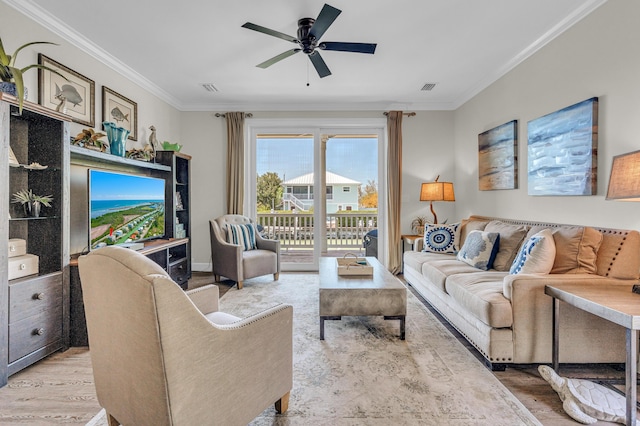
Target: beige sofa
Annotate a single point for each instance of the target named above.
(507, 317)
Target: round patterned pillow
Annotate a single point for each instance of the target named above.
(441, 238)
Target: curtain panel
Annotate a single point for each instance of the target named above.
(394, 176)
(235, 162)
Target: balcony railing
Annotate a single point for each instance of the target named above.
(296, 230)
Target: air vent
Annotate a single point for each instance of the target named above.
(428, 87)
(210, 87)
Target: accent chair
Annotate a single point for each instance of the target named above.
(162, 356)
(239, 252)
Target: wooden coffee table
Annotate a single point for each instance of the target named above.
(361, 295)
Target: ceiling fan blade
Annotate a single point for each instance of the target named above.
(270, 32)
(319, 64)
(349, 47)
(277, 58)
(327, 15)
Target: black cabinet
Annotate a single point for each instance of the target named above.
(178, 209)
(34, 281)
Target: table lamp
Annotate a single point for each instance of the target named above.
(436, 191)
(624, 182)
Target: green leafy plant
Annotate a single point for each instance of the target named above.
(27, 196)
(9, 73)
(418, 224)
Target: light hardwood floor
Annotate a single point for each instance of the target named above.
(59, 389)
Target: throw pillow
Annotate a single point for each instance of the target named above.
(511, 237)
(479, 249)
(536, 256)
(440, 238)
(243, 235)
(577, 250)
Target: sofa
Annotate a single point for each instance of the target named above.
(502, 310)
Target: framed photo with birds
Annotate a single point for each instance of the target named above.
(120, 110)
(73, 95)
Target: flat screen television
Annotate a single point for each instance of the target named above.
(124, 209)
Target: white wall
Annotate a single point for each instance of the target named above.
(427, 152)
(597, 57)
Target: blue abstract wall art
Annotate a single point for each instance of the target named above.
(562, 151)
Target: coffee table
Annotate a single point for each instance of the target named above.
(361, 295)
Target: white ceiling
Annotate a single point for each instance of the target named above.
(172, 47)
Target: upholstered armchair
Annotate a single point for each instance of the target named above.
(161, 356)
(232, 260)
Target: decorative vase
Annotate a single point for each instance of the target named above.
(10, 88)
(117, 138)
(32, 208)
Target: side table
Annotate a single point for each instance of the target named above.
(411, 240)
(615, 303)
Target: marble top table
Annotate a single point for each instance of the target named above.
(615, 303)
(361, 295)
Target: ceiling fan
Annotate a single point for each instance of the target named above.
(309, 33)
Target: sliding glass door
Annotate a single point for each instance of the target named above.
(315, 189)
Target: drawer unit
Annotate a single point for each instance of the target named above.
(35, 332)
(28, 297)
(179, 272)
(17, 247)
(21, 266)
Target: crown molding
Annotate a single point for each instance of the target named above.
(529, 51)
(298, 106)
(53, 24)
(50, 22)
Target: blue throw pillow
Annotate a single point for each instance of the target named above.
(479, 249)
(536, 256)
(440, 238)
(243, 235)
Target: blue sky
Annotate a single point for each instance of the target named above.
(118, 186)
(355, 158)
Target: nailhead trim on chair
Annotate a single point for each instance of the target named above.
(257, 316)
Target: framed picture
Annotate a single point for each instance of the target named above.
(563, 150)
(74, 96)
(120, 110)
(498, 157)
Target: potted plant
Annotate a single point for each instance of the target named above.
(11, 77)
(32, 202)
(418, 224)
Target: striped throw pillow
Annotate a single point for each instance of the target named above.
(243, 235)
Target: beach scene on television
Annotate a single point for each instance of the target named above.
(124, 208)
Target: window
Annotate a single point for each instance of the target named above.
(346, 189)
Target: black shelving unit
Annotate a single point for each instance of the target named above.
(34, 317)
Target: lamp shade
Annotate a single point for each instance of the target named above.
(437, 191)
(624, 182)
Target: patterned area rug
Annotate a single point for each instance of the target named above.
(363, 374)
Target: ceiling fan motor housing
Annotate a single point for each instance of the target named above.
(307, 41)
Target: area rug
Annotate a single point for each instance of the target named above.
(363, 374)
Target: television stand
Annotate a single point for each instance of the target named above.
(170, 253)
